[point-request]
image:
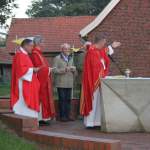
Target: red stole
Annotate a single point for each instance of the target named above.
(20, 66)
(46, 96)
(104, 55)
(93, 71)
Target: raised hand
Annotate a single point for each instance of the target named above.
(116, 44)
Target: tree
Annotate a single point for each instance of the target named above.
(46, 8)
(98, 6)
(6, 7)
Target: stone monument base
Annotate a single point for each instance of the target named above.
(126, 105)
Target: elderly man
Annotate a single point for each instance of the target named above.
(64, 75)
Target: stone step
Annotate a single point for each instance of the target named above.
(19, 123)
(28, 128)
(71, 142)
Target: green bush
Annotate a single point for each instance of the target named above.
(4, 90)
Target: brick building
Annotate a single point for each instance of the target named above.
(127, 21)
(5, 66)
(5, 61)
(54, 30)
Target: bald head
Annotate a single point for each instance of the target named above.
(100, 40)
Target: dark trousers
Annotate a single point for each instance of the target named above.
(64, 95)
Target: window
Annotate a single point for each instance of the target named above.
(3, 37)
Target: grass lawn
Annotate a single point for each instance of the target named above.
(10, 141)
(4, 90)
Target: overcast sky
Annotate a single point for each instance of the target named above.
(23, 5)
(19, 12)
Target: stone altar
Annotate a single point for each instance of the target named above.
(125, 105)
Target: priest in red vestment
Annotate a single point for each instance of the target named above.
(24, 83)
(44, 75)
(96, 66)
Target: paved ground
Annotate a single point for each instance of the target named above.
(130, 141)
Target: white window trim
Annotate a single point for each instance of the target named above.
(98, 20)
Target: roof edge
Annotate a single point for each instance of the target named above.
(98, 20)
(55, 17)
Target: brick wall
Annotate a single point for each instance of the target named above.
(129, 23)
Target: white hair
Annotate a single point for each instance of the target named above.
(37, 40)
(65, 45)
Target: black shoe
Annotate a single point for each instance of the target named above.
(94, 128)
(44, 123)
(90, 128)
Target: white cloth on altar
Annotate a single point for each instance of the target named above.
(20, 108)
(94, 118)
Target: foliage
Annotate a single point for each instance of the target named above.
(6, 7)
(4, 89)
(48, 8)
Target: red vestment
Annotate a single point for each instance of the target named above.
(46, 96)
(93, 71)
(21, 64)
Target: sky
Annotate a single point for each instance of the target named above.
(20, 11)
(23, 5)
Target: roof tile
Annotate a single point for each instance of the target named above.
(54, 30)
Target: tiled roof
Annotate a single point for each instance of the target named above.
(54, 30)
